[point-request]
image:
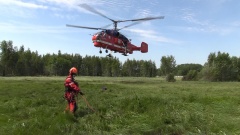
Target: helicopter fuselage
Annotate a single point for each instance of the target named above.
(115, 41)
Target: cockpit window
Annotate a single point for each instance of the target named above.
(98, 33)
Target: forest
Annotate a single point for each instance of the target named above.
(16, 61)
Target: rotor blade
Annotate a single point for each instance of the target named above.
(143, 19)
(85, 27)
(129, 25)
(87, 7)
(106, 26)
(137, 21)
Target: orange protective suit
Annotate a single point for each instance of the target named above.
(71, 90)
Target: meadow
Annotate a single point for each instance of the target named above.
(144, 106)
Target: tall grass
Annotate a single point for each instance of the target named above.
(35, 105)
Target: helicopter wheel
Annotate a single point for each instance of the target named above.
(100, 51)
(106, 51)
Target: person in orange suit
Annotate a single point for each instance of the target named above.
(71, 90)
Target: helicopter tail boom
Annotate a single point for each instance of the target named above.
(143, 48)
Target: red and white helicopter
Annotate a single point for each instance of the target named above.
(112, 39)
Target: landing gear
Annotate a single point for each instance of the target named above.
(124, 54)
(109, 55)
(100, 51)
(106, 51)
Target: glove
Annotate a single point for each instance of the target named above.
(81, 93)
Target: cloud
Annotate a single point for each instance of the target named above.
(236, 24)
(194, 24)
(18, 27)
(74, 3)
(190, 17)
(222, 31)
(22, 4)
(17, 8)
(152, 35)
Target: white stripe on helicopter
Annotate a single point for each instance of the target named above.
(104, 42)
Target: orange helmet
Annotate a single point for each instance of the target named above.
(73, 70)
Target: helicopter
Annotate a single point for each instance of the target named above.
(112, 39)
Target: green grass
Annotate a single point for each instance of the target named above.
(35, 105)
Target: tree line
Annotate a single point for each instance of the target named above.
(16, 61)
(220, 66)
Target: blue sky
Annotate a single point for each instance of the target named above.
(190, 31)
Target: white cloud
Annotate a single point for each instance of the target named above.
(194, 24)
(22, 4)
(236, 23)
(213, 29)
(72, 3)
(190, 17)
(15, 12)
(17, 8)
(17, 27)
(152, 35)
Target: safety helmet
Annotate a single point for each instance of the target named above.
(73, 70)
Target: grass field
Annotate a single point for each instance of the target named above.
(149, 106)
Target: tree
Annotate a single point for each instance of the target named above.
(9, 57)
(48, 62)
(223, 66)
(191, 76)
(1, 68)
(235, 68)
(170, 77)
(168, 64)
(183, 69)
(220, 67)
(116, 66)
(14, 61)
(127, 68)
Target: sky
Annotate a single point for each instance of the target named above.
(190, 31)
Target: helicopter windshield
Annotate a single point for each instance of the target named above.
(117, 34)
(98, 33)
(121, 36)
(114, 33)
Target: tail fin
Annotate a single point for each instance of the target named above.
(144, 47)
